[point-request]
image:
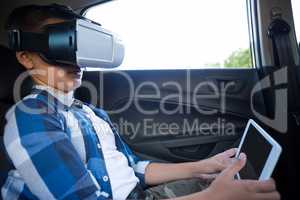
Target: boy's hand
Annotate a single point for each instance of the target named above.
(224, 187)
(211, 167)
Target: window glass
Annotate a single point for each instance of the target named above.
(178, 33)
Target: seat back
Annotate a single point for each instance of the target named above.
(10, 70)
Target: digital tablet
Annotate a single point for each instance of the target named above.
(262, 153)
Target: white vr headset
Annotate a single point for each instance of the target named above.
(79, 42)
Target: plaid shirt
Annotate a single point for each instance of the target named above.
(49, 161)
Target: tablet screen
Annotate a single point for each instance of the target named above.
(257, 149)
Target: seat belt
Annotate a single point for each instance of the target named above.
(279, 31)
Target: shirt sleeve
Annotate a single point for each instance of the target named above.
(44, 156)
(139, 166)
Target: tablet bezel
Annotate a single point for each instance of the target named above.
(273, 155)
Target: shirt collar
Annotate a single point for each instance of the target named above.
(66, 99)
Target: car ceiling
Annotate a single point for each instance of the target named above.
(8, 5)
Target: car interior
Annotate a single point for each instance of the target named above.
(268, 54)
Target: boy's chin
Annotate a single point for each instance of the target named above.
(71, 85)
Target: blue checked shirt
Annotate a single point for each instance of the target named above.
(49, 161)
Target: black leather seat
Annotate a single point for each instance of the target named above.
(10, 69)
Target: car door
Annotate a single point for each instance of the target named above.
(176, 115)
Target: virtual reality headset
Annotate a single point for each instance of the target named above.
(78, 42)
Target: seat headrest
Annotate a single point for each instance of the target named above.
(10, 70)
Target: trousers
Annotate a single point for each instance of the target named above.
(176, 189)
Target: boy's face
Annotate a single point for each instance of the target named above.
(63, 78)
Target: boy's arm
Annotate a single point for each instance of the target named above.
(157, 173)
(44, 156)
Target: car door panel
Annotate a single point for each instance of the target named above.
(178, 91)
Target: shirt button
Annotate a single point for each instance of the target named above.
(99, 146)
(105, 178)
(98, 193)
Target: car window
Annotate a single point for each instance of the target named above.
(178, 33)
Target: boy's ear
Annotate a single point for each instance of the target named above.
(25, 59)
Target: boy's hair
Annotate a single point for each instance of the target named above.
(30, 18)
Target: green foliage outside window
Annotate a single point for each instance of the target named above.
(239, 58)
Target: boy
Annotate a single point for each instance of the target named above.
(70, 150)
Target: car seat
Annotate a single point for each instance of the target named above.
(10, 70)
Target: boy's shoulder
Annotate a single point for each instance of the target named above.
(30, 104)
